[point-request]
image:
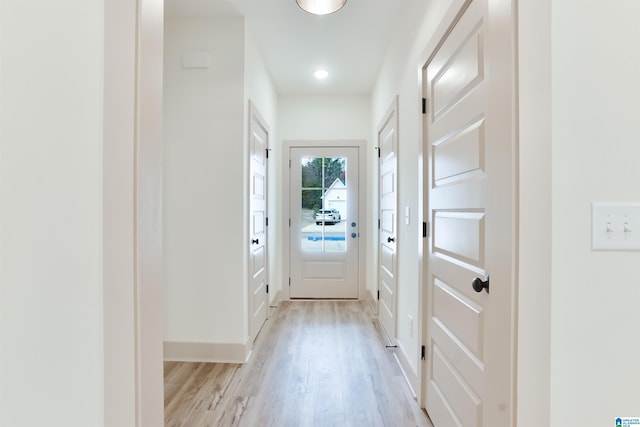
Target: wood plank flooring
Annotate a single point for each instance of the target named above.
(315, 364)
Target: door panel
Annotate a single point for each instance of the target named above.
(388, 187)
(459, 236)
(459, 157)
(461, 315)
(324, 222)
(470, 144)
(258, 298)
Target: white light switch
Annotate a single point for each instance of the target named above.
(615, 226)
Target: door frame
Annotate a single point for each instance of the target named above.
(361, 145)
(132, 213)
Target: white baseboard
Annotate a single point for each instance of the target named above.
(207, 352)
(409, 375)
(370, 297)
(276, 299)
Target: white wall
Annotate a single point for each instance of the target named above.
(204, 183)
(400, 75)
(258, 85)
(259, 89)
(51, 331)
(323, 118)
(595, 338)
(578, 335)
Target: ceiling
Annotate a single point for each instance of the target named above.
(350, 44)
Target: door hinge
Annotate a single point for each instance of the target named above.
(267, 288)
(378, 294)
(424, 105)
(266, 221)
(267, 152)
(378, 148)
(289, 281)
(423, 353)
(289, 222)
(289, 163)
(426, 229)
(378, 224)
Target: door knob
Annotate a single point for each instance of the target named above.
(479, 284)
(255, 241)
(391, 239)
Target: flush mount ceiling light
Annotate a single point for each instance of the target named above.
(321, 74)
(321, 7)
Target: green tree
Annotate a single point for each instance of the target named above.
(313, 172)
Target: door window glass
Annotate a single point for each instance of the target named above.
(324, 202)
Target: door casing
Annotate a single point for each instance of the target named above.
(362, 204)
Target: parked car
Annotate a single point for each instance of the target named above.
(327, 216)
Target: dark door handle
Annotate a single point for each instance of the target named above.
(255, 241)
(391, 239)
(479, 284)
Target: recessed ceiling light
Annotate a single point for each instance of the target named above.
(321, 7)
(321, 74)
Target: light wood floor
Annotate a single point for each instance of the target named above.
(315, 363)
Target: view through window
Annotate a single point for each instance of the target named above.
(324, 204)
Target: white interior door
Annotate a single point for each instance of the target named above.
(469, 375)
(324, 222)
(258, 289)
(388, 187)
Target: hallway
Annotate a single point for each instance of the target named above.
(315, 363)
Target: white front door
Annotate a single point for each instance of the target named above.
(258, 151)
(470, 280)
(324, 222)
(388, 187)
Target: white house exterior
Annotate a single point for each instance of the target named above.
(336, 197)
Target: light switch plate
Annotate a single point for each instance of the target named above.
(615, 226)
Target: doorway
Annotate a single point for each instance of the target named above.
(387, 214)
(258, 248)
(324, 222)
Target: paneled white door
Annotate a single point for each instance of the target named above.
(388, 188)
(469, 128)
(258, 289)
(324, 222)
